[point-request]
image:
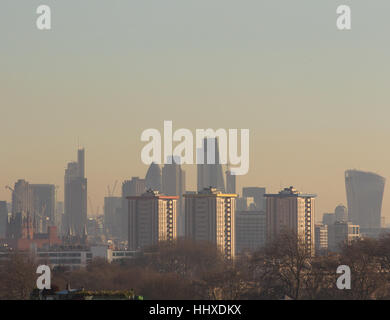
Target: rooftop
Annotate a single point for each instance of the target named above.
(291, 192)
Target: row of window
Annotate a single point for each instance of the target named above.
(60, 254)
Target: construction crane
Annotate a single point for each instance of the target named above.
(13, 193)
(110, 191)
(113, 189)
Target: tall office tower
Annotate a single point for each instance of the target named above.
(44, 206)
(245, 204)
(153, 177)
(250, 230)
(342, 232)
(328, 218)
(152, 218)
(257, 194)
(59, 214)
(341, 213)
(21, 222)
(242, 204)
(81, 162)
(3, 219)
(230, 182)
(210, 216)
(133, 187)
(321, 238)
(9, 206)
(112, 223)
(174, 184)
(209, 166)
(75, 203)
(292, 211)
(364, 197)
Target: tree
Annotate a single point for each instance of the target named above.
(364, 259)
(281, 267)
(17, 277)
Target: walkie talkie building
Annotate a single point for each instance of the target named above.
(364, 197)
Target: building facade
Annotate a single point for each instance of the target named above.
(342, 232)
(290, 210)
(321, 238)
(133, 187)
(230, 182)
(3, 219)
(44, 206)
(258, 196)
(152, 218)
(210, 216)
(174, 184)
(22, 218)
(209, 167)
(341, 213)
(250, 230)
(112, 216)
(328, 218)
(75, 203)
(153, 177)
(364, 197)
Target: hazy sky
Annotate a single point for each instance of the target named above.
(316, 100)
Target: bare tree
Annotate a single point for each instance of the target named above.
(17, 277)
(364, 260)
(282, 266)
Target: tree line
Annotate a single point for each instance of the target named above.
(283, 269)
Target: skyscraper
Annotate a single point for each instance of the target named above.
(76, 196)
(328, 218)
(341, 213)
(230, 182)
(364, 197)
(209, 166)
(342, 232)
(321, 238)
(210, 216)
(112, 222)
(257, 193)
(3, 219)
(152, 218)
(153, 177)
(250, 230)
(59, 216)
(174, 184)
(293, 211)
(21, 222)
(133, 187)
(44, 206)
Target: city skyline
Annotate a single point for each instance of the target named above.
(218, 64)
(192, 186)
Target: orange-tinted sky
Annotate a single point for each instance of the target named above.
(314, 98)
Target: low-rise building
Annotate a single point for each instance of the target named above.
(342, 232)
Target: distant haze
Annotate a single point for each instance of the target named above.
(316, 100)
